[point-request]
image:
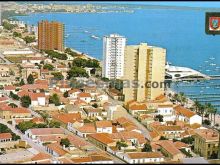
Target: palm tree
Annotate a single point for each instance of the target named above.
(196, 106)
(201, 110)
(214, 112)
(210, 109)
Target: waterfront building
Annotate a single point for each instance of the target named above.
(113, 56)
(50, 36)
(207, 143)
(146, 65)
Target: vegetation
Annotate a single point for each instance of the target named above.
(25, 101)
(147, 148)
(54, 124)
(57, 55)
(48, 66)
(13, 105)
(16, 34)
(6, 25)
(91, 63)
(188, 140)
(77, 72)
(188, 154)
(13, 96)
(65, 94)
(54, 99)
(5, 129)
(206, 122)
(30, 79)
(159, 118)
(22, 82)
(65, 142)
(25, 125)
(105, 79)
(117, 84)
(120, 144)
(58, 75)
(29, 39)
(163, 138)
(95, 105)
(70, 52)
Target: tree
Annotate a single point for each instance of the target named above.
(25, 101)
(159, 117)
(54, 124)
(16, 34)
(54, 99)
(77, 72)
(25, 125)
(163, 138)
(65, 94)
(29, 39)
(57, 75)
(120, 144)
(95, 105)
(22, 82)
(30, 79)
(14, 96)
(7, 25)
(48, 66)
(188, 140)
(13, 105)
(65, 142)
(206, 122)
(147, 148)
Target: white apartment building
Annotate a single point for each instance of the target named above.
(113, 56)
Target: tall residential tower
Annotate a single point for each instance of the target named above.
(113, 56)
(50, 36)
(144, 64)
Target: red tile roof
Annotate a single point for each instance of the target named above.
(101, 124)
(183, 111)
(41, 156)
(46, 131)
(57, 148)
(67, 117)
(142, 155)
(9, 87)
(5, 136)
(138, 107)
(102, 137)
(84, 95)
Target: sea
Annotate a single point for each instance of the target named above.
(180, 31)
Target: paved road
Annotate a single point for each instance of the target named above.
(23, 137)
(3, 57)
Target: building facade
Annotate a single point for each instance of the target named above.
(50, 36)
(113, 56)
(145, 65)
(207, 143)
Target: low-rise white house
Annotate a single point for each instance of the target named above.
(185, 115)
(103, 127)
(85, 97)
(167, 112)
(38, 99)
(142, 157)
(73, 93)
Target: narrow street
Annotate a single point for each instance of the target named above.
(23, 137)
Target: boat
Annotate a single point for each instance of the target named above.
(212, 64)
(95, 37)
(211, 58)
(207, 70)
(86, 31)
(206, 61)
(67, 35)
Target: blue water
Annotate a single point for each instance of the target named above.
(181, 32)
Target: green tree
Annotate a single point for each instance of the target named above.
(22, 82)
(159, 118)
(95, 105)
(13, 105)
(58, 75)
(29, 39)
(54, 124)
(65, 94)
(120, 144)
(6, 25)
(25, 125)
(77, 72)
(163, 138)
(48, 66)
(30, 79)
(54, 99)
(147, 148)
(25, 101)
(188, 140)
(16, 34)
(65, 142)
